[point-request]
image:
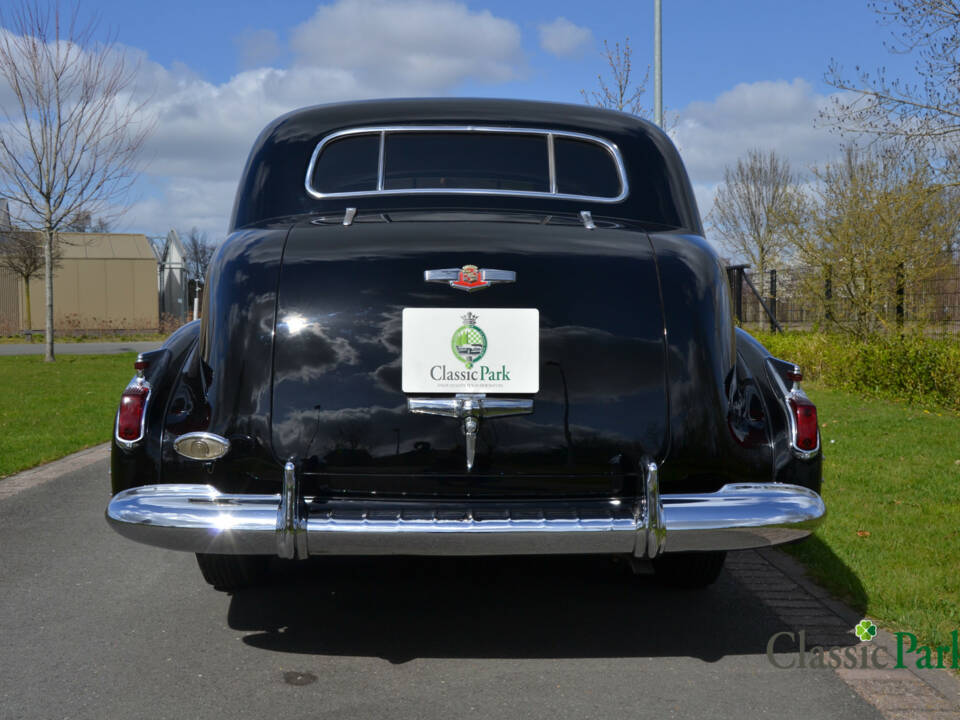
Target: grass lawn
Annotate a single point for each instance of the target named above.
(48, 410)
(94, 337)
(890, 544)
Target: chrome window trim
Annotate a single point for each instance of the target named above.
(549, 135)
(137, 381)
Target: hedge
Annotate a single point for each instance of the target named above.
(914, 368)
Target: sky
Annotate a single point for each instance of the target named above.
(737, 75)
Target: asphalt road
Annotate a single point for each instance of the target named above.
(84, 348)
(95, 626)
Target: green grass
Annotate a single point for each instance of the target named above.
(48, 410)
(105, 336)
(890, 544)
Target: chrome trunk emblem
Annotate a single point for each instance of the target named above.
(470, 408)
(470, 278)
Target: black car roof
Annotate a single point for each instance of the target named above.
(272, 183)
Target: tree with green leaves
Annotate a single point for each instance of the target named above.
(873, 226)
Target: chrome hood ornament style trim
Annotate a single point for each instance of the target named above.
(470, 408)
(469, 278)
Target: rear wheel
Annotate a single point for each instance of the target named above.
(689, 570)
(233, 572)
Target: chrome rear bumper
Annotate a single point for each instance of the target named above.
(198, 518)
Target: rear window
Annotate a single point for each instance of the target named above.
(483, 160)
(473, 161)
(585, 168)
(348, 164)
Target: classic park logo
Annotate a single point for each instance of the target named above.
(469, 345)
(864, 655)
(469, 342)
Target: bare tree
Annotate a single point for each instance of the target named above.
(750, 204)
(622, 93)
(199, 252)
(21, 252)
(924, 113)
(72, 131)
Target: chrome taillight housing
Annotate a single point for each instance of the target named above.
(806, 435)
(132, 414)
(803, 428)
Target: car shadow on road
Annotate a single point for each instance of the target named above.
(404, 608)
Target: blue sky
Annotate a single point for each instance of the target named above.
(738, 74)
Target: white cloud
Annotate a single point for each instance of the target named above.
(564, 39)
(410, 46)
(775, 116)
(257, 48)
(352, 49)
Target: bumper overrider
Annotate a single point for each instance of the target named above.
(198, 518)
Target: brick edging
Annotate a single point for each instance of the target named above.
(783, 584)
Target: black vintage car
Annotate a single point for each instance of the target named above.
(464, 327)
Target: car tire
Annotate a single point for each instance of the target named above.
(233, 572)
(689, 570)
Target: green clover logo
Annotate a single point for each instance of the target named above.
(866, 630)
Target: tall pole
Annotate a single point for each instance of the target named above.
(657, 67)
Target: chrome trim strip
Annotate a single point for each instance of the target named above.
(222, 442)
(198, 518)
(465, 404)
(497, 276)
(380, 162)
(383, 130)
(348, 216)
(586, 217)
(442, 275)
(653, 529)
(551, 164)
(291, 526)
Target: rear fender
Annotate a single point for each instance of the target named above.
(138, 463)
(787, 467)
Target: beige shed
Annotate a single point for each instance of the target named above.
(106, 281)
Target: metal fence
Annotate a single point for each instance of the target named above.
(799, 299)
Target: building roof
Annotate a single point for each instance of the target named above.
(173, 250)
(105, 246)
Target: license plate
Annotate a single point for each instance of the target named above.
(471, 350)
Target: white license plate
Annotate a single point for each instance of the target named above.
(471, 350)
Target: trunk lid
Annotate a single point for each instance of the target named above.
(338, 404)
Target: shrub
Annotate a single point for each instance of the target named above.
(914, 368)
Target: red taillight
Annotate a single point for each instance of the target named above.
(132, 404)
(805, 419)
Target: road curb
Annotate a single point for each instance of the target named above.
(15, 484)
(865, 682)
